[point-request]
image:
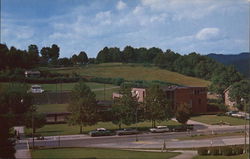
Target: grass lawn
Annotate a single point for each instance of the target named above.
(97, 153)
(213, 119)
(244, 156)
(134, 72)
(64, 129)
(202, 136)
(52, 108)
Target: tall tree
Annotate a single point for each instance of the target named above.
(82, 57)
(83, 106)
(223, 78)
(129, 54)
(125, 108)
(157, 106)
(103, 55)
(7, 149)
(3, 56)
(33, 54)
(74, 59)
(45, 54)
(54, 53)
(240, 93)
(39, 120)
(183, 113)
(14, 104)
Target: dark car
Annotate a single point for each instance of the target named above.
(101, 132)
(183, 128)
(127, 132)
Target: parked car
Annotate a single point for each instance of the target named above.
(159, 129)
(127, 132)
(101, 132)
(238, 115)
(183, 128)
(36, 89)
(230, 113)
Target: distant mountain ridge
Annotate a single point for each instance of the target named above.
(240, 61)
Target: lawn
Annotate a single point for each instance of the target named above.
(52, 108)
(213, 119)
(134, 72)
(64, 129)
(98, 153)
(202, 136)
(244, 156)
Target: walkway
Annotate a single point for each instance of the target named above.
(22, 150)
(185, 154)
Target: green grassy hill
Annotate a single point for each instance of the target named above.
(134, 72)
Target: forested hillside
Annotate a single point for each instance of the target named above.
(240, 61)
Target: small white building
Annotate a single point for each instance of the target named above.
(32, 73)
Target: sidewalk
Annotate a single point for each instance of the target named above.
(22, 152)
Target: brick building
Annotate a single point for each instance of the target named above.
(195, 96)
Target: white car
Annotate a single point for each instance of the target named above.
(36, 89)
(159, 129)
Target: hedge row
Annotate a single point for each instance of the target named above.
(40, 80)
(224, 151)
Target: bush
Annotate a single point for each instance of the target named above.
(202, 151)
(226, 151)
(214, 151)
(237, 150)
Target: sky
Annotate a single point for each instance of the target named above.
(184, 26)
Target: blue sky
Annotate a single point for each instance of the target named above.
(203, 26)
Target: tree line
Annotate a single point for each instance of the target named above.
(13, 58)
(193, 64)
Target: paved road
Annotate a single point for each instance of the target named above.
(148, 140)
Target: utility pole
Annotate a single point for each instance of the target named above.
(32, 123)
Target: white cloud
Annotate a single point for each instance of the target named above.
(207, 33)
(121, 5)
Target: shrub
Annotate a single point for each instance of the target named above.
(202, 151)
(226, 151)
(237, 150)
(214, 151)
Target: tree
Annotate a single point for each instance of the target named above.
(74, 59)
(33, 54)
(45, 54)
(7, 145)
(240, 93)
(83, 106)
(54, 54)
(223, 78)
(129, 54)
(64, 62)
(12, 109)
(82, 57)
(103, 55)
(156, 104)
(183, 113)
(3, 56)
(39, 120)
(125, 108)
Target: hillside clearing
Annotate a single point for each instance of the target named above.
(134, 72)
